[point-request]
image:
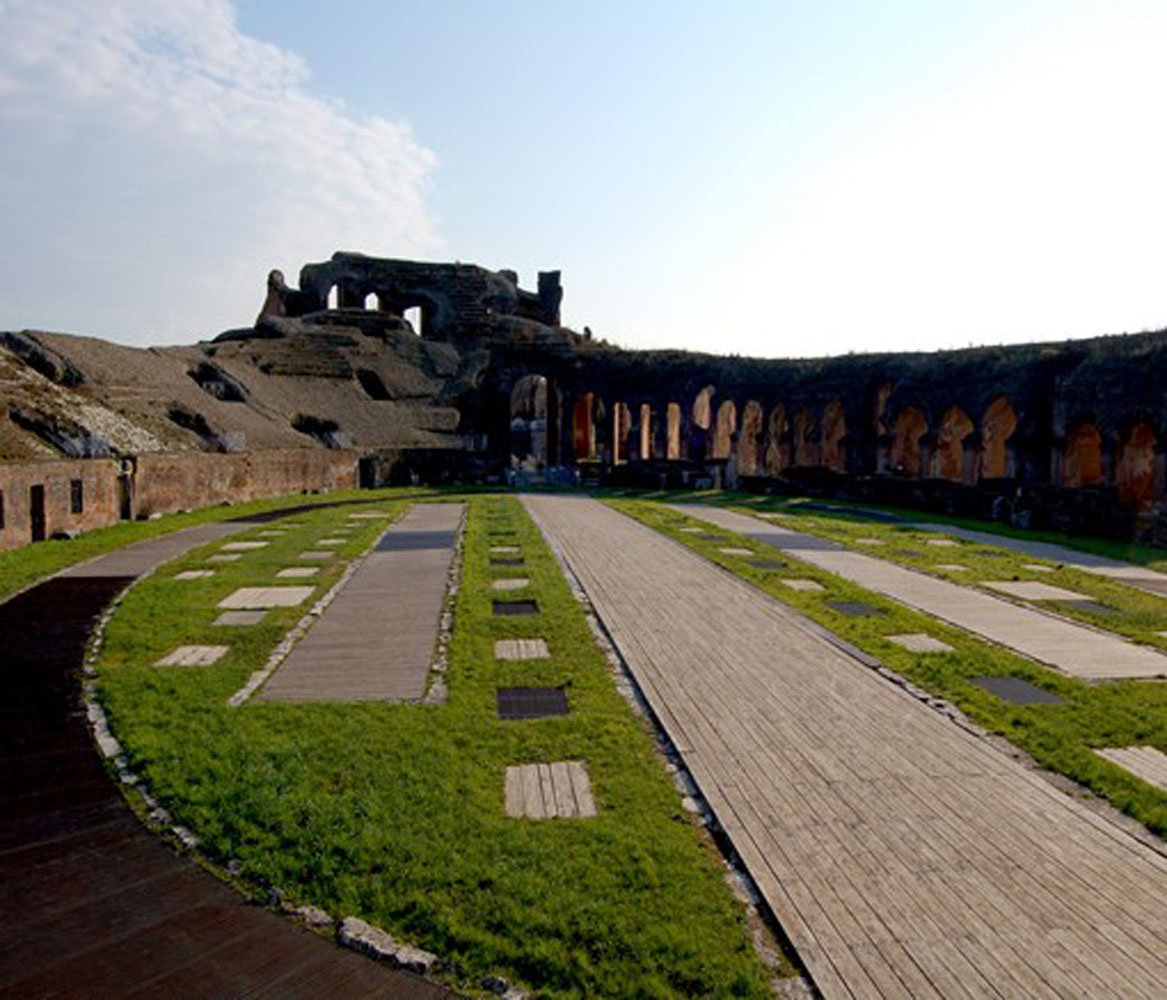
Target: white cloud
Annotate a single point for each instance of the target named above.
(157, 161)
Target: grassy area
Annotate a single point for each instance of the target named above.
(1059, 737)
(395, 812)
(24, 566)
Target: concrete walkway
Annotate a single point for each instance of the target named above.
(903, 856)
(1135, 576)
(376, 640)
(94, 905)
(1056, 642)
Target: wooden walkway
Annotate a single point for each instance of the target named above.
(1057, 642)
(376, 641)
(903, 856)
(91, 903)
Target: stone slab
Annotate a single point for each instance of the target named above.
(521, 649)
(194, 574)
(502, 550)
(404, 539)
(329, 542)
(1038, 568)
(272, 533)
(244, 546)
(511, 583)
(1032, 590)
(942, 542)
(507, 561)
(316, 555)
(730, 550)
(561, 790)
(797, 583)
(1016, 691)
(855, 609)
(193, 656)
(298, 572)
(1146, 762)
(919, 642)
(240, 618)
(869, 541)
(1090, 607)
(506, 609)
(952, 567)
(222, 557)
(246, 598)
(531, 702)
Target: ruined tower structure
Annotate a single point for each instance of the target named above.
(376, 370)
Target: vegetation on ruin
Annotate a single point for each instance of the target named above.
(1059, 737)
(395, 813)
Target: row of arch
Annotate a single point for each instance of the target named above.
(762, 440)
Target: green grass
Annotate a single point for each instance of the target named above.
(1059, 737)
(395, 812)
(21, 567)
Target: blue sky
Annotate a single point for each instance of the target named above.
(776, 179)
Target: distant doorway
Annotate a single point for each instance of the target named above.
(125, 497)
(36, 512)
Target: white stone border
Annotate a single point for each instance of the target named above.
(436, 690)
(300, 629)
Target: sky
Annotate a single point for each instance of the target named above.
(770, 178)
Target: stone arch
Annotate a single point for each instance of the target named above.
(910, 426)
(332, 298)
(673, 428)
(805, 446)
(948, 460)
(777, 451)
(1082, 457)
(749, 442)
(834, 430)
(583, 426)
(1134, 473)
(726, 428)
(528, 422)
(997, 427)
(371, 302)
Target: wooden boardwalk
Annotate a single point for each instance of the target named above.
(91, 903)
(376, 641)
(1057, 642)
(903, 856)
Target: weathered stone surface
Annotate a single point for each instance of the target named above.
(376, 943)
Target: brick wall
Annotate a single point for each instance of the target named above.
(97, 497)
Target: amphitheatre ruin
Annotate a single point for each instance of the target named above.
(886, 635)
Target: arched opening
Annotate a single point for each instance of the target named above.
(372, 303)
(749, 442)
(805, 452)
(529, 423)
(703, 407)
(834, 430)
(673, 422)
(413, 317)
(726, 426)
(332, 300)
(910, 426)
(948, 462)
(1134, 474)
(777, 453)
(997, 426)
(621, 428)
(645, 432)
(1082, 457)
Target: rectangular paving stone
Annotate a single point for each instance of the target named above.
(1090, 607)
(1148, 763)
(507, 561)
(224, 558)
(952, 567)
(1032, 590)
(319, 555)
(855, 609)
(329, 542)
(731, 551)
(869, 541)
(266, 597)
(512, 608)
(243, 546)
(240, 618)
(414, 541)
(368, 515)
(768, 564)
(797, 583)
(919, 642)
(521, 649)
(299, 571)
(531, 702)
(194, 574)
(273, 533)
(942, 542)
(501, 550)
(1038, 568)
(511, 583)
(691, 530)
(1016, 691)
(561, 790)
(193, 656)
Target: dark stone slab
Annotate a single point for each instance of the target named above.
(506, 608)
(856, 609)
(500, 532)
(531, 702)
(796, 542)
(910, 553)
(1016, 691)
(855, 512)
(1091, 607)
(506, 561)
(710, 538)
(768, 564)
(408, 541)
